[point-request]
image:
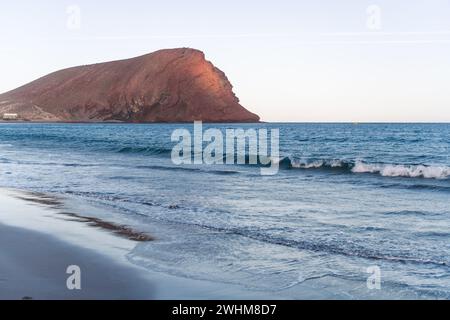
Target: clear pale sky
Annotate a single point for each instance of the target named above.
(289, 60)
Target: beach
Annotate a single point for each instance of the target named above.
(39, 241)
(34, 263)
(33, 266)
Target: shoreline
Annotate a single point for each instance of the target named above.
(34, 262)
(39, 241)
(34, 266)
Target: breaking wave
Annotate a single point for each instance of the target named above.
(399, 170)
(292, 162)
(385, 170)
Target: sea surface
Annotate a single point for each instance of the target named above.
(347, 197)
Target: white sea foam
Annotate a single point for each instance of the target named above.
(317, 164)
(411, 171)
(386, 170)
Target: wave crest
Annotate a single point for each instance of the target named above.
(316, 164)
(358, 166)
(399, 170)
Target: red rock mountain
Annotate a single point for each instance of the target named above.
(175, 85)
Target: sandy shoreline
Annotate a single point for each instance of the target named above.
(33, 263)
(39, 241)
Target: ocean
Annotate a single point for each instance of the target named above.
(348, 199)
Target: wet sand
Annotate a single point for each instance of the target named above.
(39, 240)
(35, 253)
(33, 266)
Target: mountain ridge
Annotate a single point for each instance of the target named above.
(169, 85)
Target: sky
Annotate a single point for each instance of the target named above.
(288, 60)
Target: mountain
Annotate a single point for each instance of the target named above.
(173, 85)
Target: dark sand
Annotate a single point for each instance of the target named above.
(35, 255)
(40, 239)
(33, 265)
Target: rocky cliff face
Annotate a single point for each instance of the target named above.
(176, 85)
